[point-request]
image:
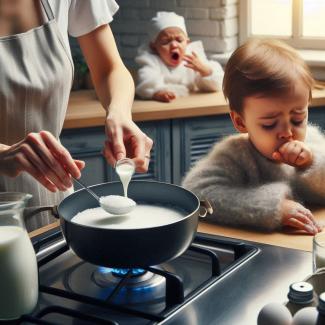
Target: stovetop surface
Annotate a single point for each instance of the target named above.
(251, 276)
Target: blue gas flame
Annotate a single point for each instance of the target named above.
(121, 272)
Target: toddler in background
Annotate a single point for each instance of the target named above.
(163, 75)
(262, 177)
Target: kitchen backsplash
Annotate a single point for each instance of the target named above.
(215, 22)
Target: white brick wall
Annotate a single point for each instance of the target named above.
(215, 22)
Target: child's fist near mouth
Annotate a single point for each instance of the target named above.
(294, 153)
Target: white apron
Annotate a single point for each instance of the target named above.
(35, 81)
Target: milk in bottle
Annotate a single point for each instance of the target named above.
(18, 265)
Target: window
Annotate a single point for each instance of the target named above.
(300, 23)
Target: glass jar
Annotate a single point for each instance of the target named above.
(18, 264)
(125, 169)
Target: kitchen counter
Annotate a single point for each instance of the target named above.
(287, 238)
(85, 110)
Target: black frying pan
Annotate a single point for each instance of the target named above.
(126, 248)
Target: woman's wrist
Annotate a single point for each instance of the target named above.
(118, 113)
(3, 147)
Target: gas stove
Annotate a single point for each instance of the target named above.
(214, 282)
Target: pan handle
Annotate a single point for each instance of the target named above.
(29, 212)
(205, 208)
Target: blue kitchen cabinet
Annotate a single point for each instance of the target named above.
(87, 144)
(160, 160)
(178, 144)
(193, 138)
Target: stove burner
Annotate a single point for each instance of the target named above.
(99, 282)
(123, 272)
(105, 277)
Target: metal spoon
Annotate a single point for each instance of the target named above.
(107, 203)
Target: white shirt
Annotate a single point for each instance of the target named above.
(79, 17)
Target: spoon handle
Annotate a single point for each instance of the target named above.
(87, 189)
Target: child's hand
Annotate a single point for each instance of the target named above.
(294, 153)
(193, 62)
(164, 96)
(297, 216)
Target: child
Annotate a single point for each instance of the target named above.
(163, 75)
(261, 177)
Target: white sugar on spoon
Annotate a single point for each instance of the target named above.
(116, 204)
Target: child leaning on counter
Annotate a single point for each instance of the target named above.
(262, 177)
(172, 66)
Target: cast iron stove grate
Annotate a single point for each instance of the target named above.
(175, 296)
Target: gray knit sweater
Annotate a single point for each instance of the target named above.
(245, 188)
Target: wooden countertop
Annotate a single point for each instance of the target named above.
(287, 238)
(84, 109)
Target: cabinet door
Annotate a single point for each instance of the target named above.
(87, 144)
(317, 116)
(193, 138)
(160, 162)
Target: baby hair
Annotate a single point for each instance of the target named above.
(263, 68)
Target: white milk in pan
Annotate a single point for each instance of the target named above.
(143, 216)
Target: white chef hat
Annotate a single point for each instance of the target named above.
(164, 20)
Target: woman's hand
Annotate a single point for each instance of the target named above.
(297, 216)
(125, 139)
(193, 62)
(294, 153)
(43, 157)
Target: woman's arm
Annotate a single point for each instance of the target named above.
(115, 89)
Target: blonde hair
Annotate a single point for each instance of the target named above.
(263, 68)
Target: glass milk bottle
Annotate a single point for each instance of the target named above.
(18, 265)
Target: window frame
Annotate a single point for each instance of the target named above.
(296, 40)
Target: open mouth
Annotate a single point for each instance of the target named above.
(175, 56)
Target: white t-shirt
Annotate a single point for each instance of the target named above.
(79, 17)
